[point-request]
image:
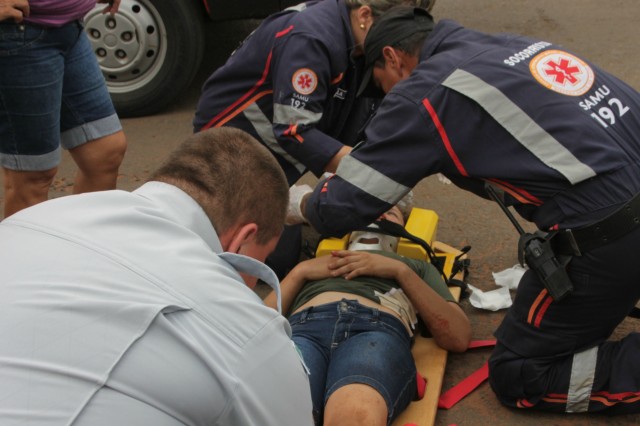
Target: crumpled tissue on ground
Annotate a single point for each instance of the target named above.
(493, 300)
(510, 277)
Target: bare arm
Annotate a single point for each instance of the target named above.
(447, 323)
(14, 9)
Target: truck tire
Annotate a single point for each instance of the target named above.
(149, 51)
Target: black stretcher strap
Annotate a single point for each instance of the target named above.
(460, 265)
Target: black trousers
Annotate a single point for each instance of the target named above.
(555, 356)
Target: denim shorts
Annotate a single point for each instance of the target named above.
(52, 95)
(346, 342)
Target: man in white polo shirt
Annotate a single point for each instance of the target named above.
(133, 307)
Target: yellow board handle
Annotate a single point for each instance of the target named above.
(422, 223)
(328, 245)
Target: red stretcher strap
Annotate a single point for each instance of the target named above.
(481, 344)
(465, 387)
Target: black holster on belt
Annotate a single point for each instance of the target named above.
(535, 249)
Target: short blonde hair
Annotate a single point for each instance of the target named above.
(234, 178)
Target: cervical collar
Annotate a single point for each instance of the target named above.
(370, 240)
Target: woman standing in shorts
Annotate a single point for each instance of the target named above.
(53, 96)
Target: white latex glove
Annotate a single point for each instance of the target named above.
(294, 211)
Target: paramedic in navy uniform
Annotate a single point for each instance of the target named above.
(559, 140)
(292, 85)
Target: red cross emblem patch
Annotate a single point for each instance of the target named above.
(304, 81)
(562, 72)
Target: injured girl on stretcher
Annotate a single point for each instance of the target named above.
(353, 314)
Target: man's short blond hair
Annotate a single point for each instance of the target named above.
(234, 178)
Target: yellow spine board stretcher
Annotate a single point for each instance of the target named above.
(429, 357)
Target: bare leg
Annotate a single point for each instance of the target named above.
(355, 404)
(23, 189)
(98, 163)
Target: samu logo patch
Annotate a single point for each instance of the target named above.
(562, 72)
(304, 81)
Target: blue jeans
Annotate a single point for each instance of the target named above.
(52, 95)
(346, 342)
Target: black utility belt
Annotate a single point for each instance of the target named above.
(577, 241)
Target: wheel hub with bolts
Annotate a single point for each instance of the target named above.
(129, 45)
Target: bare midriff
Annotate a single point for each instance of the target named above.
(336, 296)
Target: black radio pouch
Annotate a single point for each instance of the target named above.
(551, 269)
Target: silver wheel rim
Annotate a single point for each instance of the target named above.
(131, 46)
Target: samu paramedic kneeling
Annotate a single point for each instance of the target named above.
(510, 112)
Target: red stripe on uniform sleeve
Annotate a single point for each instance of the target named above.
(445, 138)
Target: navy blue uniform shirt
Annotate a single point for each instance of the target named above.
(556, 134)
(292, 85)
